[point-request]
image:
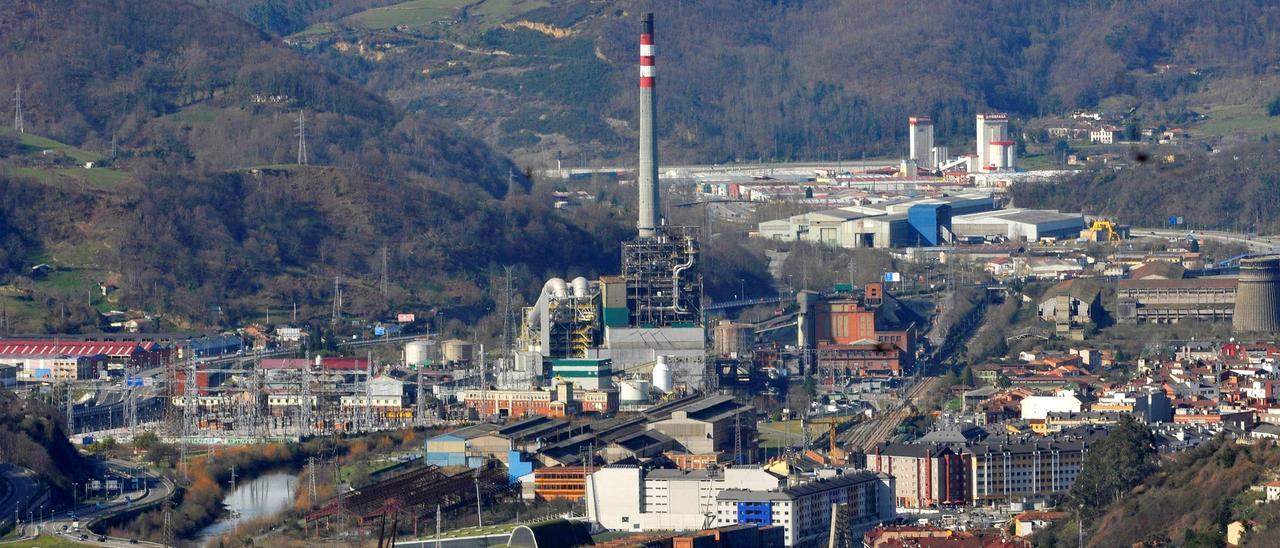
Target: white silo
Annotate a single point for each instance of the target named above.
(662, 375)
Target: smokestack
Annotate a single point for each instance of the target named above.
(648, 176)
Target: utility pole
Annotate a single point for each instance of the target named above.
(17, 110)
(479, 515)
(302, 138)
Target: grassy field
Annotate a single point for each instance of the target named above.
(196, 114)
(46, 541)
(76, 178)
(37, 143)
(415, 13)
(781, 434)
(1248, 120)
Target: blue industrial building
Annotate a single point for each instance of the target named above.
(930, 223)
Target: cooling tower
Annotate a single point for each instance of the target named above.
(1258, 296)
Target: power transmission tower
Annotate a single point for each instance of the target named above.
(737, 439)
(421, 414)
(17, 110)
(167, 534)
(302, 138)
(384, 271)
(508, 324)
(337, 302)
(311, 477)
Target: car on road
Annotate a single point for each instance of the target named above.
(84, 536)
(102, 538)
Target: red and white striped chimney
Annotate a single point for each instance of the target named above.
(648, 175)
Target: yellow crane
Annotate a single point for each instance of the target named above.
(832, 424)
(1101, 227)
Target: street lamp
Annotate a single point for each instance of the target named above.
(75, 494)
(742, 288)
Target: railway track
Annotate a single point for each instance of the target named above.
(867, 435)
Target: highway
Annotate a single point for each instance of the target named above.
(154, 490)
(21, 487)
(692, 170)
(1256, 244)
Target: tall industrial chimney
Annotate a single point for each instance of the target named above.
(648, 176)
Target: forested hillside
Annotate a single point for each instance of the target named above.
(195, 207)
(1188, 502)
(793, 79)
(1235, 189)
(31, 436)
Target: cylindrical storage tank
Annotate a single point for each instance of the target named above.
(417, 352)
(1257, 307)
(455, 350)
(662, 379)
(634, 391)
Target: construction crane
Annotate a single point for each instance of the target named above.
(1101, 227)
(832, 427)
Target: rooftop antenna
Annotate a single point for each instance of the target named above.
(17, 110)
(302, 138)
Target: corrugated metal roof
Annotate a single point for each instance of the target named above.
(31, 348)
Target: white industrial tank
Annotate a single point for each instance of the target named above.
(662, 375)
(634, 391)
(417, 352)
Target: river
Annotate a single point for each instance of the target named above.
(262, 496)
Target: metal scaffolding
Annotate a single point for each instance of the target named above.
(664, 283)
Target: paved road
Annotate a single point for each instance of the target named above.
(155, 489)
(22, 486)
(1257, 244)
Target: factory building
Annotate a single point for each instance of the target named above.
(584, 373)
(891, 224)
(562, 401)
(852, 339)
(994, 146)
(1170, 301)
(1028, 225)
(35, 355)
(733, 339)
(651, 311)
(920, 134)
(804, 511)
(925, 475)
(711, 425)
(628, 498)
